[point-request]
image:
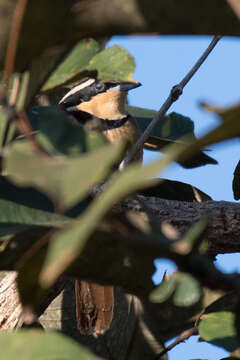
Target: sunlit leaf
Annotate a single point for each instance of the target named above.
(113, 63)
(218, 329)
(73, 64)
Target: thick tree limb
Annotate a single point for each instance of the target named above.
(223, 232)
(73, 20)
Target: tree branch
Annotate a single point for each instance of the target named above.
(185, 335)
(175, 92)
(223, 232)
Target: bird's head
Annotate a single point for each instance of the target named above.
(105, 100)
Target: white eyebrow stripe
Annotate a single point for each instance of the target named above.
(116, 88)
(78, 88)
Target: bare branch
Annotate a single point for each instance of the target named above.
(185, 335)
(175, 92)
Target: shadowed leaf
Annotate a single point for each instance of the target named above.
(57, 134)
(236, 182)
(39, 345)
(3, 124)
(65, 180)
(15, 218)
(171, 129)
(174, 190)
(66, 246)
(41, 68)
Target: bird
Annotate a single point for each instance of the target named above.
(100, 106)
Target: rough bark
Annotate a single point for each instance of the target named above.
(223, 232)
(138, 330)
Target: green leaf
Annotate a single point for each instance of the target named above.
(23, 93)
(67, 245)
(230, 127)
(28, 267)
(41, 68)
(4, 124)
(169, 130)
(13, 251)
(39, 345)
(174, 190)
(226, 302)
(16, 217)
(73, 64)
(236, 182)
(182, 287)
(218, 328)
(57, 134)
(172, 127)
(65, 180)
(113, 63)
(25, 196)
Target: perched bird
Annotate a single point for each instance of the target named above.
(100, 106)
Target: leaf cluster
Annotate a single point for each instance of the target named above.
(64, 207)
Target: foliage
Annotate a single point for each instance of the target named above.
(52, 223)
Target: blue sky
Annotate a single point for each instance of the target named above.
(162, 62)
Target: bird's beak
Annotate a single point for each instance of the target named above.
(127, 85)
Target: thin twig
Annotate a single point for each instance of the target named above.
(13, 40)
(175, 92)
(12, 103)
(15, 90)
(185, 335)
(23, 125)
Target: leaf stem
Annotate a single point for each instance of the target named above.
(175, 93)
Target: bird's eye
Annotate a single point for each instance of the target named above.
(100, 87)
